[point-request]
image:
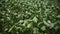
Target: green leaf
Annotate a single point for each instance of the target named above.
(35, 19)
(43, 28)
(58, 16)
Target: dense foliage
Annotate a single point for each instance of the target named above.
(29, 17)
